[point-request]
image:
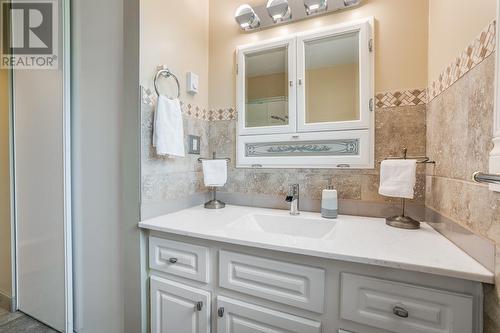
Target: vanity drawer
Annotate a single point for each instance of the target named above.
(295, 285)
(241, 317)
(399, 307)
(177, 258)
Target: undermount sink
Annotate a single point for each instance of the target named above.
(285, 225)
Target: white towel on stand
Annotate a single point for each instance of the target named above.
(398, 178)
(168, 129)
(214, 172)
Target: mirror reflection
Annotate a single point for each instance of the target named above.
(267, 88)
(332, 79)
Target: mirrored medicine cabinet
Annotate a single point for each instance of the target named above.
(306, 100)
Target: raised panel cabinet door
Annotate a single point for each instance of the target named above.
(240, 317)
(178, 308)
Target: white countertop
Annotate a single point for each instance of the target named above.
(355, 239)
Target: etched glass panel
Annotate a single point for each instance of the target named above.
(332, 79)
(266, 84)
(341, 147)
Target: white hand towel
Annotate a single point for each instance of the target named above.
(168, 129)
(398, 178)
(215, 172)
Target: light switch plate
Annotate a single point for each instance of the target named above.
(192, 81)
(194, 144)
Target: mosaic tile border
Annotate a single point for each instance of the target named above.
(480, 48)
(148, 97)
(409, 97)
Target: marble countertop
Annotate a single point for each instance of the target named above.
(354, 239)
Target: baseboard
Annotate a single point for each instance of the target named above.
(7, 303)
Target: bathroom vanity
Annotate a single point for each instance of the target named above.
(243, 269)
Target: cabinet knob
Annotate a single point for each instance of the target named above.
(199, 306)
(400, 312)
(220, 312)
(172, 260)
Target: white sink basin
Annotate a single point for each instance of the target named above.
(297, 226)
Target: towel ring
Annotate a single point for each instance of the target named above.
(166, 74)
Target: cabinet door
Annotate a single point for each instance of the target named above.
(178, 308)
(265, 90)
(334, 78)
(241, 317)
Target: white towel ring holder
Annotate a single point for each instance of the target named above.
(166, 73)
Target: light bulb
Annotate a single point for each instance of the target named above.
(315, 6)
(279, 10)
(246, 17)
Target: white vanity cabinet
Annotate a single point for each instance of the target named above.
(215, 287)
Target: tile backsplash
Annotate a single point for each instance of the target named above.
(396, 127)
(165, 179)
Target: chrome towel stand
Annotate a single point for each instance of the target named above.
(166, 73)
(402, 221)
(214, 203)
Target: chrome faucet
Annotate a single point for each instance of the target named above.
(293, 198)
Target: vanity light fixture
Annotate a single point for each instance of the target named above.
(315, 6)
(246, 17)
(349, 3)
(279, 10)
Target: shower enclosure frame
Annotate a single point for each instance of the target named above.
(65, 54)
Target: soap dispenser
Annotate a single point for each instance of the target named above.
(329, 203)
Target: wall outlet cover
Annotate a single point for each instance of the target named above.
(192, 81)
(194, 144)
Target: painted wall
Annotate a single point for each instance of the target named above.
(465, 19)
(5, 260)
(401, 42)
(175, 34)
(105, 143)
(181, 43)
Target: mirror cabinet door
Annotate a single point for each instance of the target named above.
(333, 79)
(269, 92)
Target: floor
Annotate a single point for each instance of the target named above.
(18, 322)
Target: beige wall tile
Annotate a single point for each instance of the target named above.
(459, 133)
(396, 127)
